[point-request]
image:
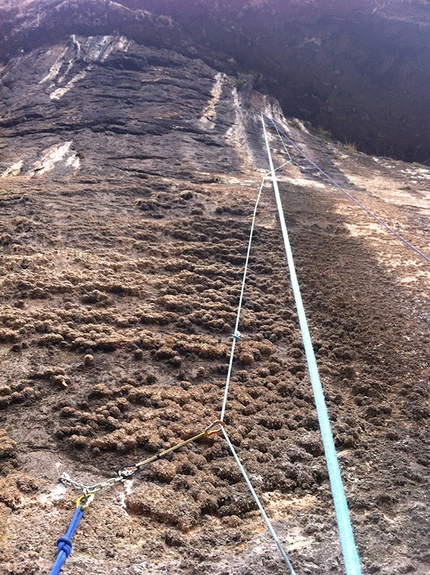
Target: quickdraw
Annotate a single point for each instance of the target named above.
(64, 544)
(129, 469)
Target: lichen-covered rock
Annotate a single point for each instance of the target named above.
(133, 310)
(7, 445)
(164, 505)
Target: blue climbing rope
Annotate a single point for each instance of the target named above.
(349, 550)
(64, 544)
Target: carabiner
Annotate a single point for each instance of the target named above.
(209, 431)
(88, 499)
(127, 470)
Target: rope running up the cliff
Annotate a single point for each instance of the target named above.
(236, 334)
(282, 134)
(235, 337)
(126, 471)
(349, 550)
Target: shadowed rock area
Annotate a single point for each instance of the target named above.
(128, 175)
(356, 69)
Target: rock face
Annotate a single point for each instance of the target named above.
(154, 98)
(128, 175)
(357, 69)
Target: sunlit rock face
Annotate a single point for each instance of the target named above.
(359, 70)
(131, 156)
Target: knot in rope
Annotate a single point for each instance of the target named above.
(65, 545)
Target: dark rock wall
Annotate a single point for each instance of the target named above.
(359, 70)
(128, 174)
(89, 93)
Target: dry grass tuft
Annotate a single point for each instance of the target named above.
(351, 147)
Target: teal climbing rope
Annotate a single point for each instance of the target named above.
(349, 550)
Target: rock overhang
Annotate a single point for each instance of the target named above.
(356, 69)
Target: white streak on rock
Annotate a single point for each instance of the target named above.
(73, 162)
(59, 92)
(55, 494)
(98, 48)
(123, 43)
(121, 500)
(237, 134)
(209, 113)
(14, 170)
(55, 69)
(128, 485)
(77, 46)
(49, 158)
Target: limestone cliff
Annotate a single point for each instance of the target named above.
(128, 175)
(357, 69)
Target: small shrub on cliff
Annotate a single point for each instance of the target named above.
(295, 124)
(325, 134)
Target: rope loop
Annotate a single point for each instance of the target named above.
(65, 545)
